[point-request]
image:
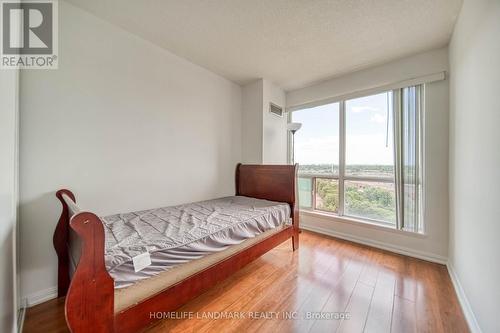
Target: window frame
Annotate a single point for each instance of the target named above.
(341, 177)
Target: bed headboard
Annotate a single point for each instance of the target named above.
(270, 182)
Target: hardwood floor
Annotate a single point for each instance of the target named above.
(377, 290)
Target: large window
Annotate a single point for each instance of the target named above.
(361, 158)
(317, 142)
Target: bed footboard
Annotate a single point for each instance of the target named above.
(90, 299)
(82, 274)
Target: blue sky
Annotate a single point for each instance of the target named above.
(317, 142)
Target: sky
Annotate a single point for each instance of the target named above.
(317, 142)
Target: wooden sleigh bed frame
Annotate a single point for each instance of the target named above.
(89, 304)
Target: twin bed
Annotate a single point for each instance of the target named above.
(117, 271)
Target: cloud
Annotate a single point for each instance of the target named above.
(360, 149)
(317, 150)
(358, 109)
(369, 149)
(378, 118)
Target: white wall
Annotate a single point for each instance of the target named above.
(124, 124)
(8, 197)
(475, 158)
(434, 244)
(264, 136)
(274, 127)
(251, 122)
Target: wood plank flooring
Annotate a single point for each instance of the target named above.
(329, 285)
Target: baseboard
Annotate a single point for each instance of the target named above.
(41, 296)
(464, 302)
(21, 313)
(380, 245)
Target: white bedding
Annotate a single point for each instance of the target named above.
(178, 234)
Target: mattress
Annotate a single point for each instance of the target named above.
(179, 234)
(130, 296)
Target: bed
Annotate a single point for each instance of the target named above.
(191, 247)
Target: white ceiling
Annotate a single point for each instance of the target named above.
(292, 43)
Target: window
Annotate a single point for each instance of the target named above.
(327, 194)
(317, 142)
(369, 159)
(361, 158)
(370, 200)
(369, 141)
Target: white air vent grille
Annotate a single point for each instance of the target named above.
(276, 110)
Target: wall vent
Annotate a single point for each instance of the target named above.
(276, 110)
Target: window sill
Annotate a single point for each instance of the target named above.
(363, 223)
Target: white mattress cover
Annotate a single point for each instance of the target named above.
(178, 234)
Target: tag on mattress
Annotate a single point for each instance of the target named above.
(141, 261)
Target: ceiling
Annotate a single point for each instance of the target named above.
(292, 43)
